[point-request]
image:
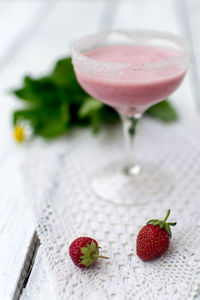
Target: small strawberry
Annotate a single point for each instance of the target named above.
(84, 251)
(154, 238)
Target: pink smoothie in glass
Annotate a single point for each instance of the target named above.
(132, 89)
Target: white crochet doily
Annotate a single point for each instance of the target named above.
(59, 180)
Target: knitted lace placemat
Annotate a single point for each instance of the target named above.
(59, 179)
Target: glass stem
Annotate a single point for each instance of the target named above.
(129, 129)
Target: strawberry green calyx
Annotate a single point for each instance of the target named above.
(90, 254)
(163, 224)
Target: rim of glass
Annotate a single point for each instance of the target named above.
(162, 35)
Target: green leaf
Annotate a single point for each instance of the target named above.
(42, 92)
(86, 262)
(88, 246)
(84, 250)
(156, 222)
(32, 115)
(64, 78)
(90, 109)
(163, 111)
(53, 129)
(63, 74)
(25, 93)
(151, 221)
(93, 245)
(108, 115)
(89, 106)
(45, 122)
(167, 227)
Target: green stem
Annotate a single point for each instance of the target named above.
(172, 224)
(101, 256)
(165, 219)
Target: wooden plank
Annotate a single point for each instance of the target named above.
(4, 8)
(18, 24)
(16, 221)
(16, 226)
(40, 285)
(152, 14)
(190, 10)
(14, 17)
(66, 22)
(28, 266)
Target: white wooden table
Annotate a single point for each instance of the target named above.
(33, 35)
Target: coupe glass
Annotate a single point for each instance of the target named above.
(130, 88)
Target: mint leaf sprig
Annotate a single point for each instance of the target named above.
(56, 103)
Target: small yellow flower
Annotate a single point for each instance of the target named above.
(22, 131)
(19, 134)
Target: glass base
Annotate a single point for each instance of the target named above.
(132, 186)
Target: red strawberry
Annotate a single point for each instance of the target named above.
(84, 251)
(154, 238)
